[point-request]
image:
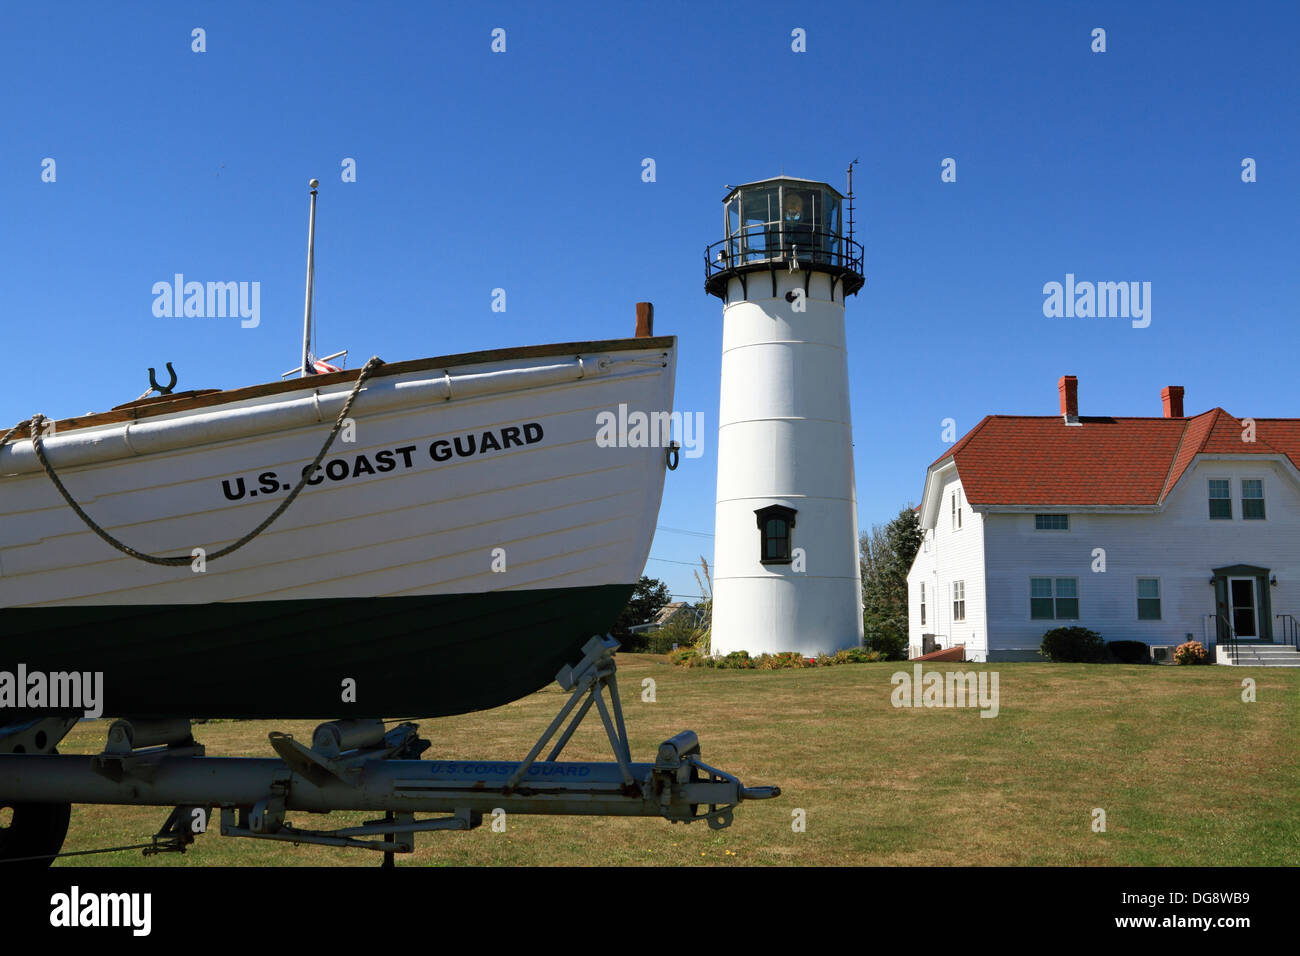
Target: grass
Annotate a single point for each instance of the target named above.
(1187, 773)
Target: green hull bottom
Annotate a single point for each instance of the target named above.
(406, 656)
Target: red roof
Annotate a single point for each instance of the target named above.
(1039, 460)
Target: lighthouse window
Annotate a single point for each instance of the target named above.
(776, 540)
(779, 219)
(759, 213)
(775, 523)
(829, 231)
(800, 215)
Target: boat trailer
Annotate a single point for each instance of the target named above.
(352, 764)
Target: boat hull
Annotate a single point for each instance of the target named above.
(423, 656)
(461, 541)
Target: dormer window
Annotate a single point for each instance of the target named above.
(775, 525)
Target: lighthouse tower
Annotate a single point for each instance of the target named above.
(786, 572)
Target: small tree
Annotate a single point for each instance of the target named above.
(649, 595)
(885, 555)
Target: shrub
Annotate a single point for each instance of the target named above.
(683, 632)
(661, 642)
(1076, 645)
(1192, 652)
(783, 660)
(695, 656)
(685, 657)
(633, 643)
(889, 641)
(736, 660)
(1129, 652)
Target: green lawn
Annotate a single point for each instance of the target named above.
(1187, 773)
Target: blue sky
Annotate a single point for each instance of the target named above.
(522, 170)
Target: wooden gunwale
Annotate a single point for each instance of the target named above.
(206, 399)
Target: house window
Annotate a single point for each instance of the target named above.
(956, 512)
(1220, 498)
(923, 604)
(775, 524)
(1051, 522)
(959, 600)
(1252, 498)
(1054, 599)
(1148, 599)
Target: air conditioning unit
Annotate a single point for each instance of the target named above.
(1161, 655)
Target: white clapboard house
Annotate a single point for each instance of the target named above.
(1161, 529)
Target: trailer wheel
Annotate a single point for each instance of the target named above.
(33, 829)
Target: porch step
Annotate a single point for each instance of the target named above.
(1261, 655)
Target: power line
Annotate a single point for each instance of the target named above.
(689, 564)
(698, 534)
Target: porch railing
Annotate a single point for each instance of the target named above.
(1288, 630)
(1225, 635)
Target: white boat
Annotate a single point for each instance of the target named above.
(472, 526)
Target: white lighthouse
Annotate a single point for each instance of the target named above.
(786, 572)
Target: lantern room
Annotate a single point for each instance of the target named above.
(795, 223)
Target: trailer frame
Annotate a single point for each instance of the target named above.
(359, 764)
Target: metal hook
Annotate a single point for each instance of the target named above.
(673, 459)
(170, 385)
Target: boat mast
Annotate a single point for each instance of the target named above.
(311, 265)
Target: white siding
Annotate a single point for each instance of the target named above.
(948, 555)
(1180, 545)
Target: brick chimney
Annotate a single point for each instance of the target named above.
(1069, 389)
(1172, 398)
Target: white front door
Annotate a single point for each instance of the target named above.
(1242, 610)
